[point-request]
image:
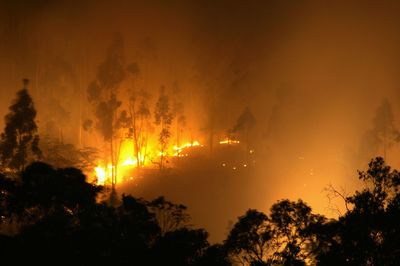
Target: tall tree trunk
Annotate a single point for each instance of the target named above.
(113, 181)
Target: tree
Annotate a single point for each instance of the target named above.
(163, 119)
(178, 113)
(170, 216)
(62, 155)
(244, 124)
(181, 247)
(144, 127)
(138, 229)
(214, 255)
(248, 241)
(287, 237)
(138, 122)
(294, 227)
(59, 216)
(384, 127)
(102, 94)
(19, 143)
(383, 133)
(367, 234)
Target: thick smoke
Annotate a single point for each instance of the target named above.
(313, 75)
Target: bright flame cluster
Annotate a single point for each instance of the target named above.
(229, 141)
(127, 161)
(178, 150)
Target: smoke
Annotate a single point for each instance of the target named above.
(312, 73)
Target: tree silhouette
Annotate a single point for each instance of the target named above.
(138, 122)
(383, 133)
(170, 216)
(216, 255)
(41, 189)
(62, 155)
(163, 118)
(19, 143)
(178, 113)
(102, 94)
(294, 232)
(367, 234)
(249, 239)
(181, 247)
(58, 218)
(245, 122)
(287, 237)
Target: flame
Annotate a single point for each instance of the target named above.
(127, 161)
(179, 149)
(229, 141)
(103, 174)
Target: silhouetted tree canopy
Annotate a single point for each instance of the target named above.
(163, 118)
(368, 233)
(53, 215)
(19, 143)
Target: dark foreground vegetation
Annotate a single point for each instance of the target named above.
(53, 216)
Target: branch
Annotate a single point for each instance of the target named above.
(332, 193)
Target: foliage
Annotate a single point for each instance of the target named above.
(61, 155)
(249, 239)
(366, 234)
(19, 143)
(286, 237)
(58, 216)
(137, 119)
(163, 118)
(103, 96)
(170, 216)
(59, 209)
(181, 247)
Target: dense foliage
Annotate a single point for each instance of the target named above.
(52, 214)
(19, 142)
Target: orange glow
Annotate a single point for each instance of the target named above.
(101, 175)
(178, 150)
(128, 163)
(229, 141)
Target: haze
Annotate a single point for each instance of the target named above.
(313, 73)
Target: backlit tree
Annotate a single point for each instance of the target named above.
(19, 143)
(163, 118)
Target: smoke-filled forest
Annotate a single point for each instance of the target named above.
(199, 132)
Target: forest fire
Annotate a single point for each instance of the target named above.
(178, 150)
(128, 163)
(192, 133)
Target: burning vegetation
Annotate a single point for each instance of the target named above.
(218, 105)
(143, 131)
